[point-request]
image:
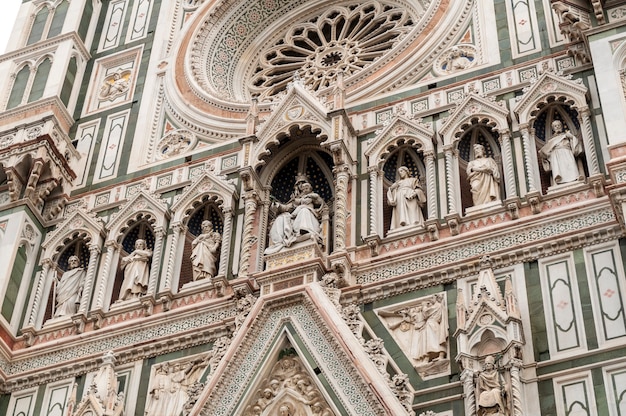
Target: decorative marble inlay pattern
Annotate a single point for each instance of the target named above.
(102, 199)
(229, 162)
(456, 96)
(567, 63)
(339, 371)
(128, 339)
(491, 85)
(384, 116)
(487, 246)
(417, 106)
(528, 74)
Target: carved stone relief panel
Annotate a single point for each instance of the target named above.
(420, 327)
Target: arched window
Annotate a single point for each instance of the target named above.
(39, 83)
(19, 87)
(15, 282)
(39, 25)
(58, 17)
(68, 83)
(48, 22)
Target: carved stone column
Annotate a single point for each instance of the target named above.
(529, 166)
(342, 178)
(431, 185)
(111, 246)
(516, 388)
(225, 250)
(178, 231)
(251, 200)
(41, 283)
(507, 162)
(467, 378)
(156, 260)
(375, 204)
(450, 179)
(584, 117)
(94, 252)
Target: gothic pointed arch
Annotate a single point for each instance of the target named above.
(306, 325)
(553, 97)
(298, 109)
(82, 235)
(476, 120)
(133, 251)
(402, 142)
(208, 198)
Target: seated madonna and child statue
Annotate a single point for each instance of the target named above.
(298, 219)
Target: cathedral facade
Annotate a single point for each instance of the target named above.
(313, 208)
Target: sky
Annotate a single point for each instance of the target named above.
(7, 20)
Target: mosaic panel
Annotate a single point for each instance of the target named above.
(384, 116)
(491, 85)
(456, 95)
(229, 162)
(419, 106)
(528, 74)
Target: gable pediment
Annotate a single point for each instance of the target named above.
(491, 112)
(221, 191)
(143, 202)
(400, 131)
(78, 222)
(307, 320)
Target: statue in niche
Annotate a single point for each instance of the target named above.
(69, 289)
(300, 216)
(490, 386)
(559, 155)
(205, 252)
(483, 175)
(421, 330)
(407, 199)
(136, 271)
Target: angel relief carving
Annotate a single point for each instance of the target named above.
(421, 330)
(115, 85)
(288, 391)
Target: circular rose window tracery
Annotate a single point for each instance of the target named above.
(343, 39)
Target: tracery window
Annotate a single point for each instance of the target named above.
(342, 40)
(48, 22)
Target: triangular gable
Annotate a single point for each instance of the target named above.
(78, 222)
(207, 184)
(474, 106)
(315, 326)
(298, 107)
(143, 202)
(548, 85)
(400, 128)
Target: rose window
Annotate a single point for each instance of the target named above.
(342, 40)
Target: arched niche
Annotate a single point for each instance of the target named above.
(209, 198)
(80, 234)
(477, 132)
(542, 125)
(144, 217)
(299, 153)
(208, 210)
(133, 267)
(487, 341)
(477, 120)
(402, 142)
(554, 96)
